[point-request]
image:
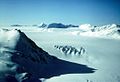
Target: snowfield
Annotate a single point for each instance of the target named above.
(60, 55)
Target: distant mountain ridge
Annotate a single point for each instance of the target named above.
(110, 30)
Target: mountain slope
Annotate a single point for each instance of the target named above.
(105, 31)
(22, 60)
(102, 54)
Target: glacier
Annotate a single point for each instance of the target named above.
(38, 54)
(21, 60)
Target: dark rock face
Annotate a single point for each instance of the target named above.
(29, 50)
(56, 25)
(118, 31)
(69, 50)
(60, 25)
(118, 26)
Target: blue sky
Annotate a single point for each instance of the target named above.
(96, 12)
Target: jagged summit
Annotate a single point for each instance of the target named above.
(18, 53)
(42, 25)
(15, 41)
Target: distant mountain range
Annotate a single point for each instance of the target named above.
(43, 25)
(110, 30)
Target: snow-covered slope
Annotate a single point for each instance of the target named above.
(86, 27)
(22, 60)
(106, 31)
(17, 54)
(101, 54)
